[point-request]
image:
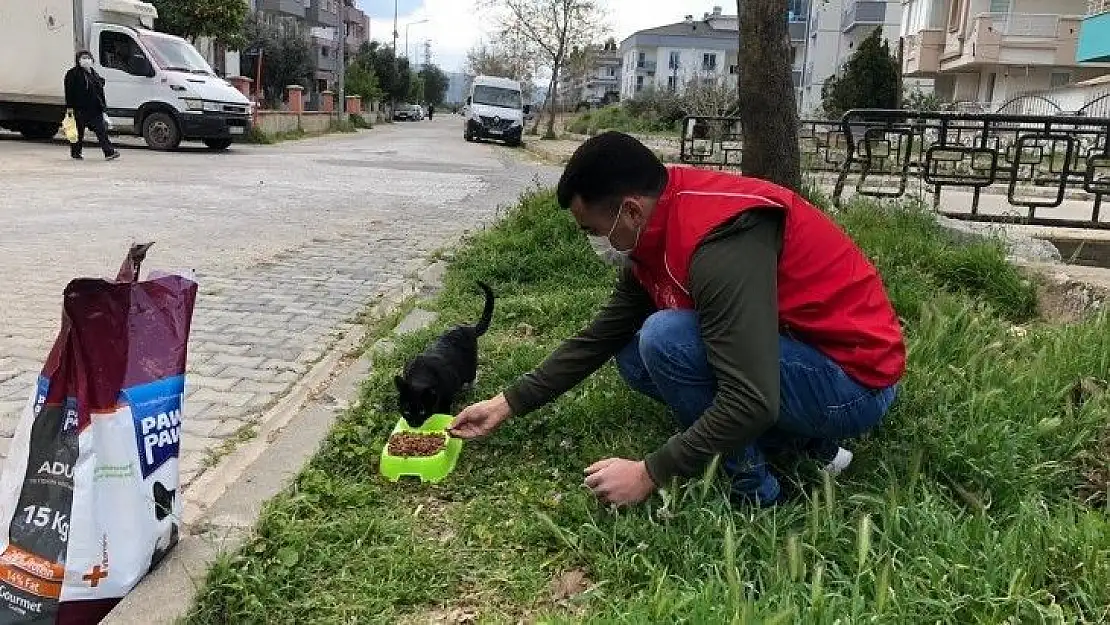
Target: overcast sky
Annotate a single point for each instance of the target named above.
(455, 25)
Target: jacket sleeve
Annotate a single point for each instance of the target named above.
(734, 284)
(613, 327)
(71, 90)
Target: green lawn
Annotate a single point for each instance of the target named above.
(965, 507)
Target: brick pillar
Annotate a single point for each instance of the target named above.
(296, 98)
(242, 83)
(327, 102)
(354, 105)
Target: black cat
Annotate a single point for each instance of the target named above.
(431, 381)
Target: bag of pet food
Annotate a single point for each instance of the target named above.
(88, 497)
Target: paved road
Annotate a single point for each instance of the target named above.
(290, 242)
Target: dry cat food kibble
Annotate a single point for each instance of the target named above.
(407, 444)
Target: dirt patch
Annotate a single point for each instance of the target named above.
(1063, 296)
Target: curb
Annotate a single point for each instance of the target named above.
(223, 504)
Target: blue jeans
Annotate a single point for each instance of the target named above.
(818, 403)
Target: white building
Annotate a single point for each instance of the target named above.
(669, 58)
(984, 53)
(835, 29)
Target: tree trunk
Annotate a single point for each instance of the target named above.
(548, 103)
(768, 110)
(550, 134)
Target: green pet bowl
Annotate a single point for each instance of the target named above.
(427, 468)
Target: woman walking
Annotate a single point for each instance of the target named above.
(85, 97)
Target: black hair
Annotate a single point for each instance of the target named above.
(81, 53)
(608, 167)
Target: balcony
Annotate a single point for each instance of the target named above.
(1094, 34)
(1029, 39)
(645, 66)
(921, 54)
(862, 13)
(294, 8)
(319, 16)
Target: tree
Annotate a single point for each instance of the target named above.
(222, 20)
(870, 79)
(553, 28)
(435, 83)
(511, 55)
(768, 111)
(286, 59)
(394, 75)
(360, 80)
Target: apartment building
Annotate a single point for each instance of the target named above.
(597, 81)
(834, 29)
(983, 53)
(358, 29)
(694, 51)
(321, 21)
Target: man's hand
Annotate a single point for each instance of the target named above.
(619, 482)
(481, 418)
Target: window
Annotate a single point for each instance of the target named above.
(120, 52)
(709, 62)
(734, 69)
(1059, 79)
(991, 80)
(325, 51)
(672, 83)
(641, 58)
(676, 56)
(610, 71)
(1000, 6)
(639, 83)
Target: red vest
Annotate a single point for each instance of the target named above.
(829, 295)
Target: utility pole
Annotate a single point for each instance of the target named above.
(396, 67)
(341, 60)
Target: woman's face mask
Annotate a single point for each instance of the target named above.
(86, 62)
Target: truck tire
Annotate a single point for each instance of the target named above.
(38, 131)
(219, 145)
(160, 132)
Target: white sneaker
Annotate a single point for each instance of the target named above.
(840, 462)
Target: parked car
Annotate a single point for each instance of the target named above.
(408, 112)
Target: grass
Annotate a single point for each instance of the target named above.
(616, 117)
(961, 508)
(260, 137)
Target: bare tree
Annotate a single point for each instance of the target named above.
(552, 28)
(708, 95)
(768, 112)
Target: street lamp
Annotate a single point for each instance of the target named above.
(423, 21)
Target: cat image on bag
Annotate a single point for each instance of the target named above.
(163, 507)
(431, 381)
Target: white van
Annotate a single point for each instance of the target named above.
(157, 86)
(495, 110)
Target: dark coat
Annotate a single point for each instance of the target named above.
(85, 91)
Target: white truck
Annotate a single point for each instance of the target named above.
(157, 86)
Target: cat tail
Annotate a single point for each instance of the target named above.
(487, 312)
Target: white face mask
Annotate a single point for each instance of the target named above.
(86, 62)
(606, 243)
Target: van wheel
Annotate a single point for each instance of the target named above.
(161, 132)
(38, 131)
(218, 145)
